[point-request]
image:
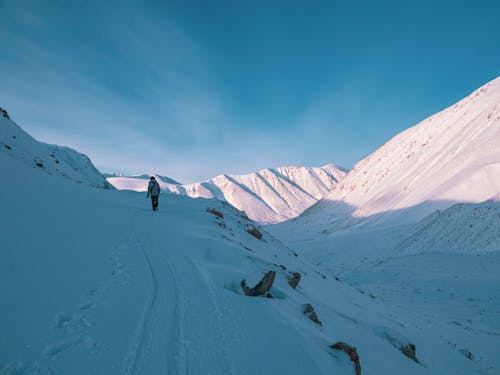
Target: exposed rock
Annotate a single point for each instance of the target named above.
(351, 352)
(253, 231)
(4, 113)
(309, 310)
(294, 279)
(409, 351)
(262, 288)
(467, 354)
(401, 343)
(216, 213)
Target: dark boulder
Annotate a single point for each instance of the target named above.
(351, 352)
(253, 231)
(409, 351)
(309, 310)
(4, 113)
(294, 279)
(262, 288)
(219, 214)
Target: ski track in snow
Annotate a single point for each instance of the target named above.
(140, 347)
(149, 327)
(171, 316)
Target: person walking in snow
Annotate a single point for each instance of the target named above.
(154, 192)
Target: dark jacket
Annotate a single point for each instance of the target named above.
(153, 188)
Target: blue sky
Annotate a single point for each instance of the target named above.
(192, 89)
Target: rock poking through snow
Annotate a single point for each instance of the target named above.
(4, 113)
(294, 279)
(409, 351)
(219, 214)
(351, 352)
(309, 310)
(262, 288)
(253, 231)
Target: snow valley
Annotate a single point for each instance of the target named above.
(392, 268)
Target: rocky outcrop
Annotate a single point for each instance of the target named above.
(294, 279)
(351, 352)
(219, 214)
(253, 231)
(4, 113)
(262, 288)
(309, 310)
(409, 351)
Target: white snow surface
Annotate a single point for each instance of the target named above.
(462, 228)
(267, 196)
(453, 156)
(441, 273)
(57, 160)
(93, 281)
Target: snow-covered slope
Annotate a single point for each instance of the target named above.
(416, 225)
(110, 287)
(267, 196)
(453, 156)
(63, 161)
(441, 273)
(472, 228)
(139, 183)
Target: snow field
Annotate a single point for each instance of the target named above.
(101, 284)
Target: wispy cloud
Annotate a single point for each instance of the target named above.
(139, 88)
(148, 103)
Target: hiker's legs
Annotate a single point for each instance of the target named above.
(154, 201)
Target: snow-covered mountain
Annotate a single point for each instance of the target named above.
(416, 225)
(267, 196)
(108, 286)
(453, 156)
(57, 160)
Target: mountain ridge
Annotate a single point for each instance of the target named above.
(53, 159)
(450, 157)
(268, 196)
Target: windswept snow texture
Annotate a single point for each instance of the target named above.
(63, 161)
(267, 196)
(93, 281)
(453, 156)
(462, 228)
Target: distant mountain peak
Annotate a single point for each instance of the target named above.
(269, 196)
